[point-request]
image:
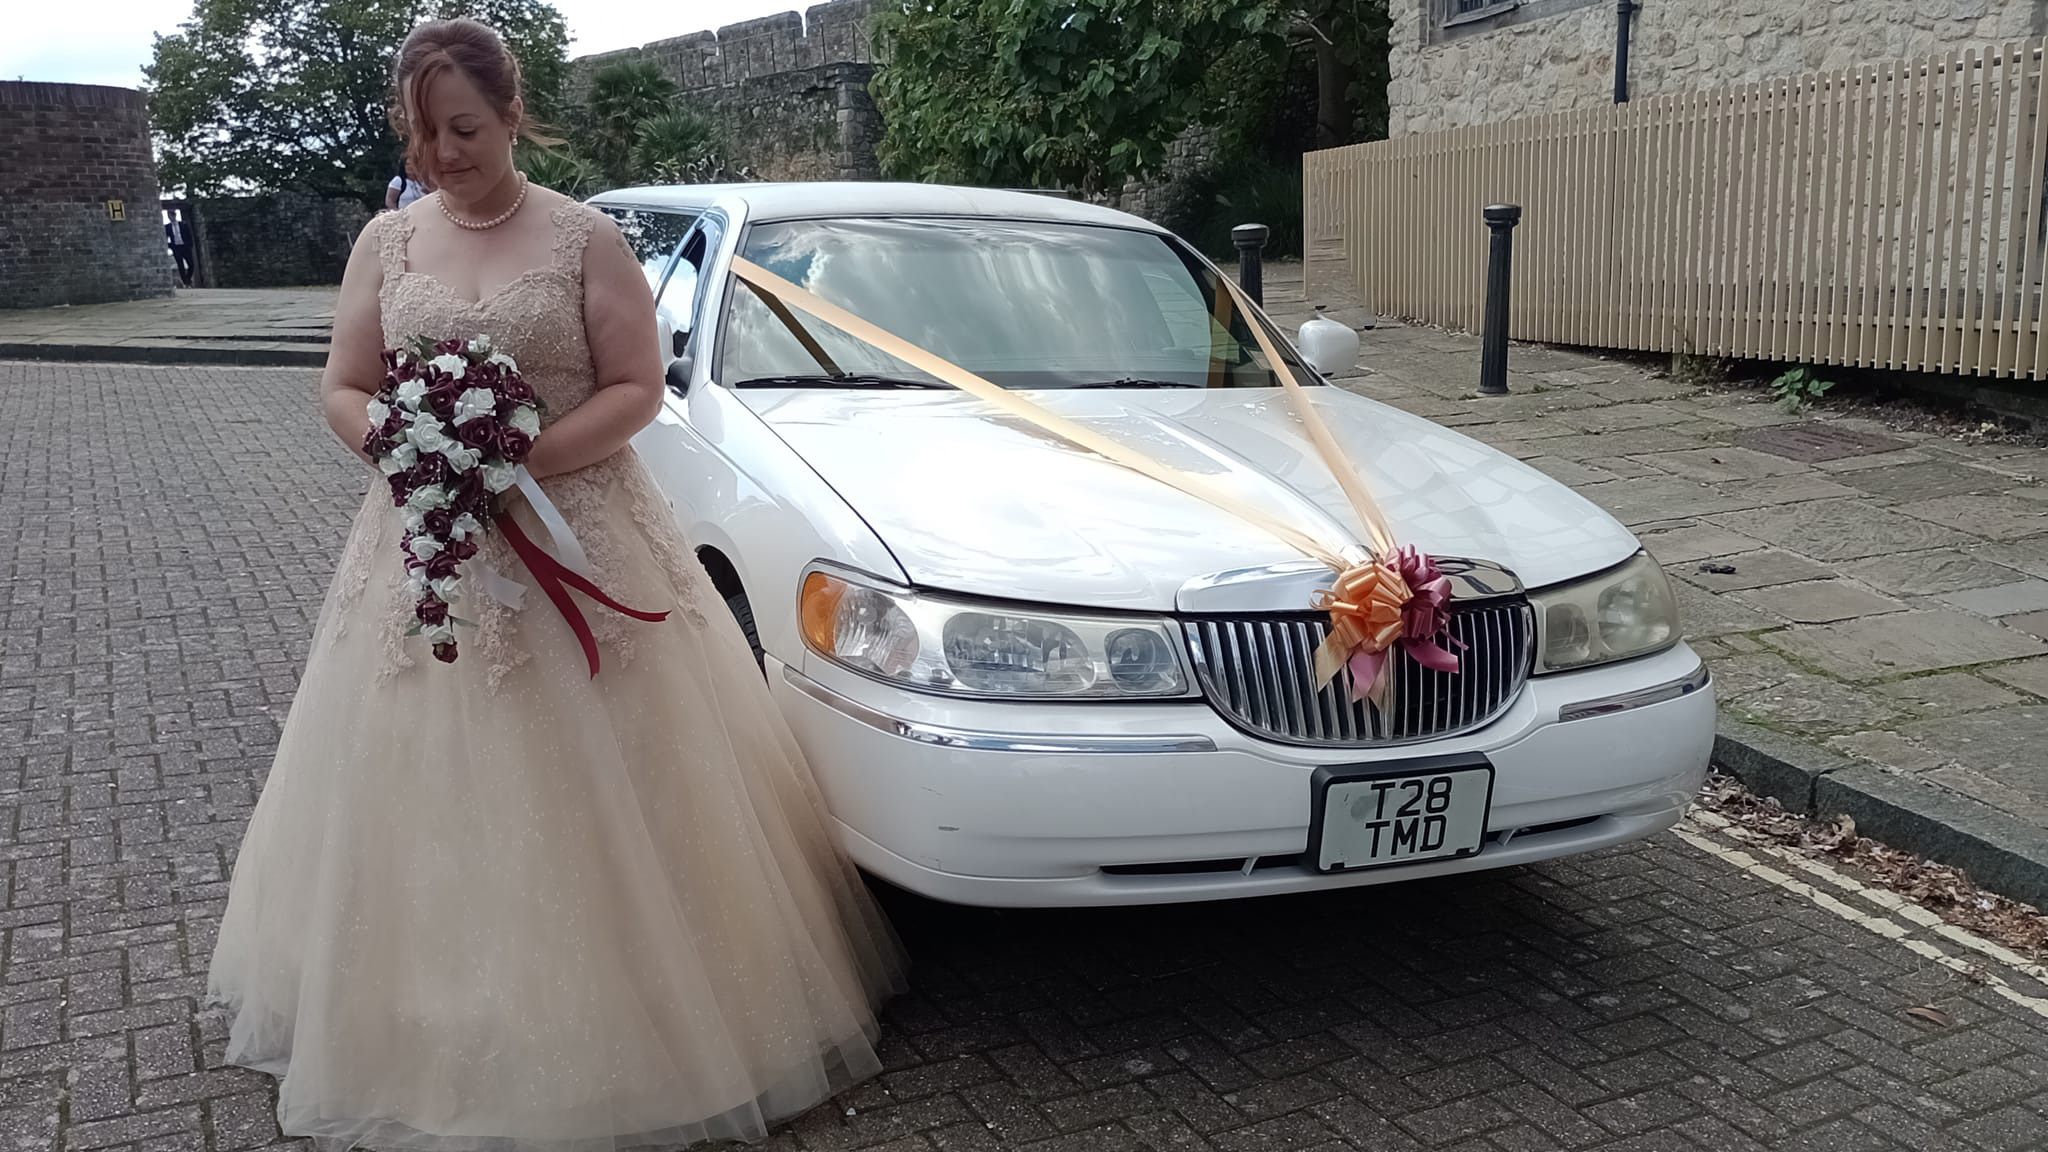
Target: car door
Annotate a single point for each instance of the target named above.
(656, 236)
(678, 447)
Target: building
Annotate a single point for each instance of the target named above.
(79, 222)
(1459, 62)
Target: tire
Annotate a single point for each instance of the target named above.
(744, 613)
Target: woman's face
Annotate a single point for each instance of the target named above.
(472, 149)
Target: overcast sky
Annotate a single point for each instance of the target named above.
(108, 41)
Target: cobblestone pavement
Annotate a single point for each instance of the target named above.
(1878, 594)
(166, 535)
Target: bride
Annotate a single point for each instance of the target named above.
(499, 903)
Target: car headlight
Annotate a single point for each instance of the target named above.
(1627, 612)
(937, 644)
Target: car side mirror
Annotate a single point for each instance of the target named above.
(1329, 347)
(679, 374)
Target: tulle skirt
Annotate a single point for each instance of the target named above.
(557, 914)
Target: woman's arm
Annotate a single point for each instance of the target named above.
(355, 352)
(618, 319)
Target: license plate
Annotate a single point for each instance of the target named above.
(1373, 821)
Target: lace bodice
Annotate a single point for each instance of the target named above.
(537, 318)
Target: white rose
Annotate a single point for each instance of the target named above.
(481, 346)
(415, 520)
(416, 582)
(465, 527)
(405, 455)
(428, 434)
(429, 496)
(424, 547)
(504, 361)
(526, 420)
(446, 588)
(443, 633)
(452, 364)
(474, 402)
(498, 477)
(378, 412)
(389, 465)
(461, 457)
(411, 393)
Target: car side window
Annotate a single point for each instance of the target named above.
(653, 235)
(679, 299)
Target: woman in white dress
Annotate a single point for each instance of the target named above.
(499, 904)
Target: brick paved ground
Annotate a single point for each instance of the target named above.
(159, 578)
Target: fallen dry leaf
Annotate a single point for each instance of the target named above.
(1943, 890)
(1932, 1015)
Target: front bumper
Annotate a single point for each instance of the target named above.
(1045, 804)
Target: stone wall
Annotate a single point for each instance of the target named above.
(279, 240)
(65, 151)
(792, 91)
(1558, 55)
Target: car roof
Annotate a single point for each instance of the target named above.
(812, 200)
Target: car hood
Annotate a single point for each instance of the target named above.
(973, 500)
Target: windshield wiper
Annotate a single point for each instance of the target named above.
(846, 380)
(1136, 382)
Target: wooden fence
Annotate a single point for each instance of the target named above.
(1886, 216)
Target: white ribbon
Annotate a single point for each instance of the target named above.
(566, 549)
(511, 593)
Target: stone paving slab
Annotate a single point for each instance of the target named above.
(277, 326)
(1871, 596)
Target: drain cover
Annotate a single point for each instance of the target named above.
(1814, 443)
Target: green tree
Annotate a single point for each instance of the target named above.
(276, 94)
(1086, 94)
(623, 95)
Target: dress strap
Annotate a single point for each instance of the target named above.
(572, 235)
(394, 236)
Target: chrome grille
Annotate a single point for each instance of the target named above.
(1259, 672)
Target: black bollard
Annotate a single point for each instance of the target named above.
(1251, 269)
(1493, 357)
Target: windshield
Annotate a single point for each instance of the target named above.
(1023, 304)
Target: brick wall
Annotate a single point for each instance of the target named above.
(279, 240)
(65, 150)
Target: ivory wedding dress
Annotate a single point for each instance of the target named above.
(501, 905)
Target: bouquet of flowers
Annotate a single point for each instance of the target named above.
(449, 429)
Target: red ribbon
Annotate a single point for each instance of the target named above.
(554, 575)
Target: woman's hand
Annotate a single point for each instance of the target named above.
(618, 321)
(355, 352)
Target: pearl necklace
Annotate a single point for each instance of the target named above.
(486, 225)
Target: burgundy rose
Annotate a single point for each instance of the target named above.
(442, 565)
(451, 347)
(373, 442)
(390, 359)
(441, 397)
(401, 486)
(515, 389)
(514, 444)
(431, 611)
(431, 469)
(463, 549)
(480, 434)
(470, 493)
(445, 651)
(439, 523)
